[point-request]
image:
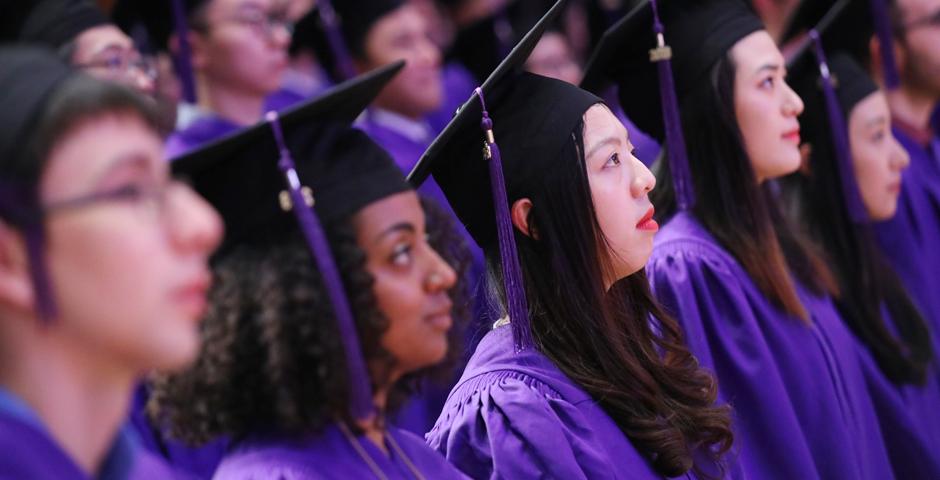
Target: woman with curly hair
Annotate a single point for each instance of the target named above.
(103, 270)
(752, 294)
(585, 377)
(280, 373)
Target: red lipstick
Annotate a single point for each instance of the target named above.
(647, 222)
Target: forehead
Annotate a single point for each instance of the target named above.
(911, 9)
(379, 216)
(600, 124)
(755, 51)
(235, 5)
(87, 149)
(403, 19)
(872, 107)
(100, 38)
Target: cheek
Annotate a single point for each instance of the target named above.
(409, 338)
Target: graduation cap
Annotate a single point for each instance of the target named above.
(850, 30)
(533, 117)
(481, 45)
(28, 76)
(151, 23)
(830, 87)
(57, 22)
(263, 195)
(667, 46)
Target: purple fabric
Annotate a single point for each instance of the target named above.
(515, 415)
(30, 453)
(882, 23)
(281, 99)
(329, 455)
(201, 131)
(191, 462)
(183, 58)
(909, 417)
(910, 240)
(799, 393)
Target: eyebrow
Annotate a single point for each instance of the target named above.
(879, 120)
(127, 160)
(768, 66)
(599, 145)
(398, 227)
(113, 46)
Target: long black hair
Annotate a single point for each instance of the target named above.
(867, 283)
(618, 345)
(742, 215)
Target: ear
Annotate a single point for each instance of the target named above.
(16, 286)
(520, 217)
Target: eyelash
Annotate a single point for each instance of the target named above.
(615, 158)
(767, 82)
(401, 252)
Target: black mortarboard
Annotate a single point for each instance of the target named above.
(830, 88)
(483, 44)
(251, 178)
(28, 77)
(532, 117)
(667, 47)
(57, 22)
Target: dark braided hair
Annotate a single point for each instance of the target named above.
(269, 357)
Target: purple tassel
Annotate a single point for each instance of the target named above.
(359, 379)
(840, 137)
(675, 141)
(882, 22)
(516, 307)
(334, 39)
(14, 207)
(183, 59)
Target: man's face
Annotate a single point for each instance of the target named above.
(919, 33)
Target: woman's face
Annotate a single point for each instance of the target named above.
(243, 47)
(404, 34)
(877, 156)
(766, 107)
(411, 280)
(619, 187)
(129, 270)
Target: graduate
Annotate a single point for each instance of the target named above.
(912, 83)
(752, 296)
(585, 376)
(82, 36)
(238, 54)
(321, 318)
(103, 270)
(851, 178)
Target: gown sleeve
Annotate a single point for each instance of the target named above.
(507, 425)
(724, 324)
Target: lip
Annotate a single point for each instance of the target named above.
(440, 318)
(895, 187)
(647, 222)
(793, 136)
(191, 296)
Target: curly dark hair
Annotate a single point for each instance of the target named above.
(269, 357)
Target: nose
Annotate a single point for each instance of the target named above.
(195, 226)
(643, 179)
(429, 54)
(279, 35)
(143, 83)
(441, 276)
(900, 159)
(792, 104)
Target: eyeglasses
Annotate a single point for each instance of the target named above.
(123, 65)
(932, 20)
(150, 200)
(263, 24)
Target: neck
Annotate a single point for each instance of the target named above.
(374, 427)
(911, 107)
(235, 105)
(81, 398)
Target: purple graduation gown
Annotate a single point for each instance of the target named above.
(911, 240)
(27, 451)
(909, 416)
(200, 131)
(515, 415)
(801, 408)
(329, 455)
